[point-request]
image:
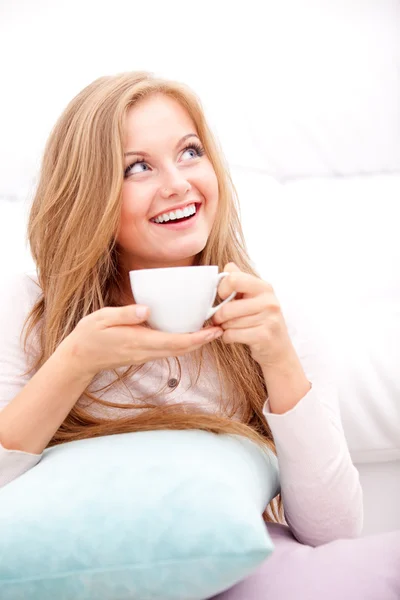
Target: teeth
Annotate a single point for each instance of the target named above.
(176, 214)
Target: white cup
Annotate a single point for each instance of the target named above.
(180, 298)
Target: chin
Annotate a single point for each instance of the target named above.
(190, 251)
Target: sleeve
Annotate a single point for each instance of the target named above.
(16, 300)
(320, 486)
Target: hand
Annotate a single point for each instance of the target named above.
(113, 337)
(254, 318)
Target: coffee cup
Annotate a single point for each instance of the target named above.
(180, 299)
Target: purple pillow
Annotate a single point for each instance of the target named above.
(365, 568)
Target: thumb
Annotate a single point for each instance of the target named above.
(140, 312)
(127, 315)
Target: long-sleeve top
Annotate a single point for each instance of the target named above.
(320, 486)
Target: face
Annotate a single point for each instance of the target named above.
(170, 190)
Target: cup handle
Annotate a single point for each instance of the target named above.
(214, 309)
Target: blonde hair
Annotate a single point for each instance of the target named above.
(72, 231)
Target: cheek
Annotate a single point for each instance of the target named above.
(128, 216)
(209, 185)
(133, 205)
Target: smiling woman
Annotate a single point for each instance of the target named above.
(133, 178)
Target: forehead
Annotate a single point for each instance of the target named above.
(156, 118)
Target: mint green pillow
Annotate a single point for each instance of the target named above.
(163, 515)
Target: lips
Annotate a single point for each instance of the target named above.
(176, 207)
(180, 224)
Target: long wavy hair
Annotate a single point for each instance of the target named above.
(72, 231)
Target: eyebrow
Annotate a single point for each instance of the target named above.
(185, 137)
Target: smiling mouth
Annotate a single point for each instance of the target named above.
(174, 218)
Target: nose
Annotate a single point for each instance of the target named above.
(174, 185)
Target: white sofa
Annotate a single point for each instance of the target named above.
(331, 245)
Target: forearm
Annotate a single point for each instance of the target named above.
(320, 486)
(286, 383)
(30, 420)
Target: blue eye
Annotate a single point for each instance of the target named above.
(196, 150)
(130, 169)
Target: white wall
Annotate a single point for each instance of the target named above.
(292, 88)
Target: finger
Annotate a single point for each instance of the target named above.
(110, 316)
(182, 352)
(242, 308)
(244, 283)
(240, 336)
(247, 322)
(177, 342)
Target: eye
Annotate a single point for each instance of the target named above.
(193, 150)
(136, 167)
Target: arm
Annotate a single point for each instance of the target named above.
(320, 486)
(321, 491)
(34, 408)
(30, 420)
(31, 407)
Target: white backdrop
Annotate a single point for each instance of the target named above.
(294, 88)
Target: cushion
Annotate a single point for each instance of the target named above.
(149, 515)
(360, 569)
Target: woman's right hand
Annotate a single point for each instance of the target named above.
(114, 337)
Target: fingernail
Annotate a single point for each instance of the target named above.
(214, 335)
(141, 311)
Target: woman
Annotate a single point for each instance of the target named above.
(129, 149)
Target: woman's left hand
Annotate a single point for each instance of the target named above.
(254, 318)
